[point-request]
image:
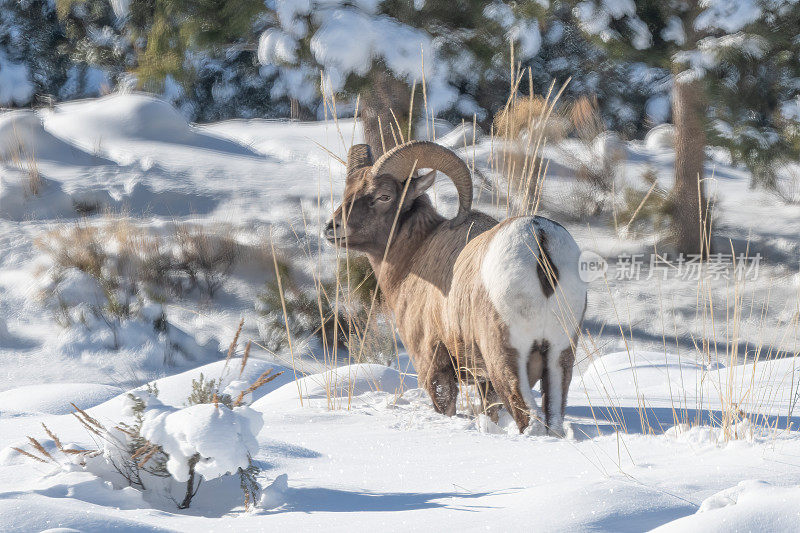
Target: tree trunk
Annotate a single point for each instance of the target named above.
(689, 208)
(384, 95)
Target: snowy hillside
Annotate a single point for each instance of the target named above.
(681, 414)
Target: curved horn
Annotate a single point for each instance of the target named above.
(400, 160)
(359, 156)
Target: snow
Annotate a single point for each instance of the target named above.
(132, 115)
(337, 386)
(23, 135)
(751, 505)
(17, 202)
(674, 31)
(55, 398)
(348, 40)
(223, 438)
(274, 45)
(662, 137)
(728, 15)
(658, 108)
(275, 495)
(357, 446)
(15, 84)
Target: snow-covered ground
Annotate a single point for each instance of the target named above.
(682, 409)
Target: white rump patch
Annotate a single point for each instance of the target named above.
(509, 273)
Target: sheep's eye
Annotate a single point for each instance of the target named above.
(384, 198)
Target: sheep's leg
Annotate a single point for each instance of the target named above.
(441, 384)
(490, 400)
(536, 363)
(504, 373)
(555, 385)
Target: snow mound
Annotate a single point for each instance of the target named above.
(73, 287)
(655, 374)
(55, 398)
(462, 135)
(135, 128)
(225, 439)
(608, 145)
(174, 389)
(274, 495)
(341, 382)
(662, 137)
(706, 436)
(749, 506)
(90, 488)
(23, 138)
(133, 115)
(23, 197)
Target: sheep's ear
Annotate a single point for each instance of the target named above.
(421, 184)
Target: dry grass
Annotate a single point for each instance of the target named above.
(124, 256)
(647, 209)
(788, 188)
(24, 158)
(206, 257)
(526, 115)
(585, 119)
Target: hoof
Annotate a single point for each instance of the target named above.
(535, 428)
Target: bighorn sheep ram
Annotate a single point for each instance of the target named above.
(503, 299)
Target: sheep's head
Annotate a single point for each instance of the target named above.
(376, 193)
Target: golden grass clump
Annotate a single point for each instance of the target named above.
(206, 257)
(24, 159)
(120, 254)
(262, 380)
(585, 119)
(524, 115)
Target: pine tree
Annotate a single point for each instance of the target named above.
(99, 48)
(754, 101)
(32, 59)
(631, 96)
(379, 50)
(690, 38)
(170, 32)
(231, 86)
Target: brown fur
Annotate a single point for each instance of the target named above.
(430, 277)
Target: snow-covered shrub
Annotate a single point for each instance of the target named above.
(310, 312)
(597, 157)
(646, 206)
(207, 258)
(601, 154)
(207, 440)
(132, 263)
(327, 313)
(164, 450)
(109, 282)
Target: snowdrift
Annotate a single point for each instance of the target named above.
(24, 195)
(23, 138)
(55, 398)
(337, 384)
(135, 115)
(113, 124)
